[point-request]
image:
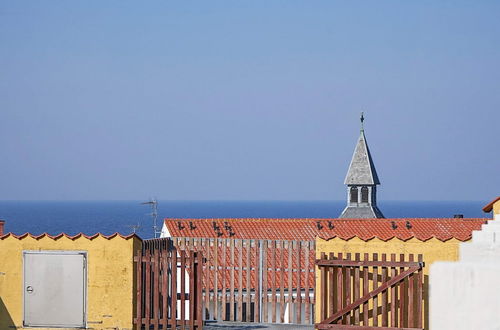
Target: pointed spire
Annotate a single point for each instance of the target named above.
(361, 170)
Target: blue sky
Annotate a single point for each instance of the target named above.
(247, 100)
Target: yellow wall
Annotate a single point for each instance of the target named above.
(110, 278)
(496, 208)
(433, 250)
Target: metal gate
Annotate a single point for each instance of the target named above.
(54, 289)
(370, 293)
(168, 286)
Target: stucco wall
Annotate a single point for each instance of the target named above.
(110, 278)
(433, 250)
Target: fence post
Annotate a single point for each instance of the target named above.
(261, 261)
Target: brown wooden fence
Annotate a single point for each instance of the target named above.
(256, 280)
(370, 293)
(168, 286)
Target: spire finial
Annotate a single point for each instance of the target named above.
(362, 119)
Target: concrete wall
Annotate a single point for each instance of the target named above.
(465, 295)
(110, 278)
(433, 250)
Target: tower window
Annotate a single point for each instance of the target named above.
(354, 194)
(364, 195)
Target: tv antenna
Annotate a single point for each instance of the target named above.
(154, 215)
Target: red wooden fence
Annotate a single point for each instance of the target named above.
(370, 293)
(163, 298)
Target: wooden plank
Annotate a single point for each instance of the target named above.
(394, 295)
(402, 296)
(192, 286)
(205, 246)
(282, 281)
(348, 288)
(323, 271)
(215, 255)
(307, 289)
(265, 305)
(240, 280)
(139, 291)
(290, 281)
(365, 290)
(199, 305)
(340, 291)
(369, 263)
(298, 299)
(248, 287)
(420, 286)
(231, 290)
(385, 322)
(156, 289)
(354, 327)
(147, 298)
(273, 283)
(183, 288)
(329, 279)
(173, 298)
(224, 279)
(370, 295)
(356, 289)
(164, 288)
(375, 286)
(256, 310)
(411, 281)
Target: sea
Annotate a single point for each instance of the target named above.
(125, 217)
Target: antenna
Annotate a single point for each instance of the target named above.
(154, 215)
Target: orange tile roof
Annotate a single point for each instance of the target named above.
(489, 206)
(404, 229)
(72, 237)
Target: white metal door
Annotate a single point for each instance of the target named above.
(54, 288)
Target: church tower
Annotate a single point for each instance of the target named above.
(361, 181)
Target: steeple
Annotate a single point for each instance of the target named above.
(361, 181)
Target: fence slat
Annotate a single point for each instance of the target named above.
(248, 287)
(356, 295)
(224, 287)
(183, 289)
(340, 294)
(147, 299)
(307, 294)
(282, 281)
(298, 300)
(329, 278)
(156, 290)
(401, 296)
(375, 285)
(265, 304)
(290, 283)
(258, 282)
(365, 291)
(411, 281)
(394, 296)
(216, 278)
(240, 281)
(173, 297)
(139, 288)
(231, 291)
(420, 281)
(384, 294)
(348, 288)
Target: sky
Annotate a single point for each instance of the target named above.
(247, 100)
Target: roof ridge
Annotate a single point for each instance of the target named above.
(71, 237)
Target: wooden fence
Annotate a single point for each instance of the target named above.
(256, 280)
(168, 286)
(373, 292)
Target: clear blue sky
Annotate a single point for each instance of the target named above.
(247, 99)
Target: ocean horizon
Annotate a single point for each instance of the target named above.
(107, 217)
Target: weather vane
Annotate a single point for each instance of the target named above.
(362, 119)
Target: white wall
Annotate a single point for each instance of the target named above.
(465, 295)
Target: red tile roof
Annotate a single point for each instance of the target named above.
(489, 206)
(55, 237)
(404, 229)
